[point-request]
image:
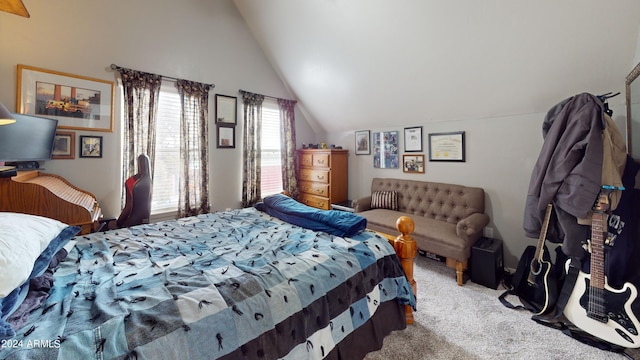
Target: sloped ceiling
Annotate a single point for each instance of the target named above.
(361, 64)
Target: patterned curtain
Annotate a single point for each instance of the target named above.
(252, 147)
(140, 92)
(288, 146)
(194, 148)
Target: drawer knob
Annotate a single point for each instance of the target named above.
(321, 177)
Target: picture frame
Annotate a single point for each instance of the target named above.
(385, 150)
(90, 146)
(64, 145)
(77, 102)
(448, 146)
(363, 142)
(413, 139)
(413, 163)
(226, 109)
(226, 137)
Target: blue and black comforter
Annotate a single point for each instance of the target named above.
(236, 284)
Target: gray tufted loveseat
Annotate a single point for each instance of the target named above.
(448, 218)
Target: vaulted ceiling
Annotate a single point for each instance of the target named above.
(361, 64)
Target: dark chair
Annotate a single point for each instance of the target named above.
(137, 206)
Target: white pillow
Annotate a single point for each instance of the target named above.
(22, 239)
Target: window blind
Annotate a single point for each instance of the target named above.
(271, 178)
(167, 161)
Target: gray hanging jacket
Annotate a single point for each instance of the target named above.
(568, 171)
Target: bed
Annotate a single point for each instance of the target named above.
(227, 285)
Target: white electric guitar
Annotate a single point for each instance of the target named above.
(596, 307)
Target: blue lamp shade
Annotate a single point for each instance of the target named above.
(5, 116)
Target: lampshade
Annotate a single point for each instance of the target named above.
(5, 116)
(14, 7)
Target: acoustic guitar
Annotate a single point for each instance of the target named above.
(594, 306)
(541, 289)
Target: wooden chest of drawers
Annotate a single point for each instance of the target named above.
(322, 177)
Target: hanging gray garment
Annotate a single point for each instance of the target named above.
(568, 171)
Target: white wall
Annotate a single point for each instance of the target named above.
(500, 155)
(205, 41)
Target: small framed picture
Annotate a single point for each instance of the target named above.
(413, 164)
(226, 107)
(64, 145)
(413, 139)
(226, 137)
(90, 146)
(363, 145)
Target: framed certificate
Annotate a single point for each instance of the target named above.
(447, 146)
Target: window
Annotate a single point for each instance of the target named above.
(271, 168)
(167, 161)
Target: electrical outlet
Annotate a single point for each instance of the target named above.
(488, 232)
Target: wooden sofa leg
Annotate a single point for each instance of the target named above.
(459, 272)
(460, 267)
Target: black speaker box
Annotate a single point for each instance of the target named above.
(27, 165)
(487, 263)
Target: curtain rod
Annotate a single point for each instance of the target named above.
(267, 96)
(118, 68)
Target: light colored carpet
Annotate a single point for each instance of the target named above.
(469, 322)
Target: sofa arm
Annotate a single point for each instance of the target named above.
(470, 228)
(361, 204)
